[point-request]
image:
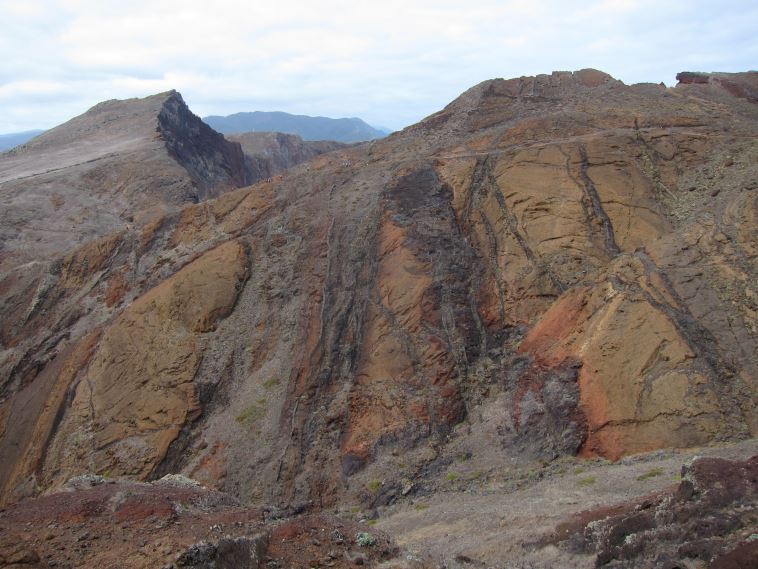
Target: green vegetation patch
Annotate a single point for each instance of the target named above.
(249, 415)
(587, 481)
(652, 473)
(271, 382)
(364, 539)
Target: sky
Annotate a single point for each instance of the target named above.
(390, 62)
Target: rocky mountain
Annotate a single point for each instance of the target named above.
(13, 139)
(544, 279)
(271, 153)
(309, 128)
(92, 174)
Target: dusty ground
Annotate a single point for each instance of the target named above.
(486, 524)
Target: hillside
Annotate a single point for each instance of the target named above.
(552, 274)
(92, 174)
(308, 128)
(271, 153)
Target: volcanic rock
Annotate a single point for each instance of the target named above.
(271, 153)
(526, 274)
(95, 173)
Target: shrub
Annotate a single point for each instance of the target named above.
(364, 539)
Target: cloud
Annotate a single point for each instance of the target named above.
(389, 62)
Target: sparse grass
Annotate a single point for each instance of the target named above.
(676, 478)
(261, 401)
(451, 477)
(420, 507)
(652, 473)
(271, 382)
(371, 522)
(249, 415)
(355, 509)
(587, 481)
(579, 470)
(373, 486)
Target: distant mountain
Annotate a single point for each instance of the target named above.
(13, 139)
(309, 128)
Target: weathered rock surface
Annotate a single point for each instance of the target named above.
(271, 153)
(550, 265)
(95, 173)
(125, 524)
(708, 520)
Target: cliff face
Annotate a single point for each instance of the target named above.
(100, 170)
(550, 265)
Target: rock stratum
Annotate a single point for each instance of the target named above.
(549, 267)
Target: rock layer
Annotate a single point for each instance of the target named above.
(556, 264)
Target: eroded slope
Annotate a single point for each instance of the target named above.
(551, 265)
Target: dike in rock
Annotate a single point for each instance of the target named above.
(550, 265)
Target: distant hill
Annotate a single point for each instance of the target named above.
(308, 128)
(13, 139)
(269, 153)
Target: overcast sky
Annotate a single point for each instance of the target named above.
(390, 62)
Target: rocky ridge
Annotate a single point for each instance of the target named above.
(549, 266)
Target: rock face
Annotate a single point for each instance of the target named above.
(122, 524)
(93, 174)
(550, 265)
(270, 153)
(706, 519)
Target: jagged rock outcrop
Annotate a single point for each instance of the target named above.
(271, 153)
(554, 265)
(706, 519)
(100, 170)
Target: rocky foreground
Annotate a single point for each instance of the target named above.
(663, 510)
(551, 267)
